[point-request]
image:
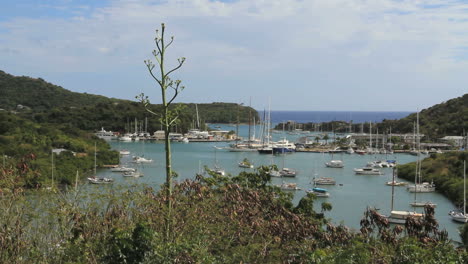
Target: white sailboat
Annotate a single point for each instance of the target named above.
(419, 186)
(334, 163)
(399, 217)
(394, 182)
(216, 168)
(98, 180)
(458, 215)
(246, 164)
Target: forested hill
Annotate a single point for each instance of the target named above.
(38, 94)
(447, 118)
(49, 103)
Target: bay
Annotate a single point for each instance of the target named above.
(349, 198)
(327, 116)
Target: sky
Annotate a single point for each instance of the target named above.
(317, 55)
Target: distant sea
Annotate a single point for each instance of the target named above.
(326, 116)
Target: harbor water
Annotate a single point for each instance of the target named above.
(349, 197)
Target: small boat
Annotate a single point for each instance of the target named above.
(399, 217)
(424, 187)
(274, 173)
(350, 150)
(423, 204)
(288, 186)
(367, 171)
(319, 192)
(360, 152)
(379, 164)
(246, 164)
(334, 164)
(287, 172)
(324, 181)
(98, 180)
(124, 152)
(458, 215)
(396, 183)
(126, 138)
(122, 169)
(134, 174)
(138, 159)
(219, 170)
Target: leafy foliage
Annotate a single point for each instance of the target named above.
(217, 219)
(27, 147)
(445, 170)
(48, 103)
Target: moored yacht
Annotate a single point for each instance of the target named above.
(424, 187)
(283, 146)
(319, 192)
(335, 164)
(367, 171)
(106, 135)
(324, 181)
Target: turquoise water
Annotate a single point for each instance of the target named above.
(349, 198)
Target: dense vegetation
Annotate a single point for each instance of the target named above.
(52, 117)
(445, 170)
(217, 219)
(48, 103)
(22, 140)
(447, 118)
(41, 95)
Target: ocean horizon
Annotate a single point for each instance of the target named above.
(327, 116)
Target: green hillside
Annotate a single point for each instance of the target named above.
(445, 170)
(48, 103)
(25, 142)
(447, 118)
(41, 95)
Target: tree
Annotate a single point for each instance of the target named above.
(170, 114)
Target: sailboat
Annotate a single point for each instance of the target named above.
(246, 164)
(399, 217)
(141, 159)
(287, 172)
(267, 147)
(394, 182)
(98, 180)
(334, 163)
(217, 169)
(420, 187)
(458, 215)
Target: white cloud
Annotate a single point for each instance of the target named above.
(252, 47)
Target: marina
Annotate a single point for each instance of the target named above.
(350, 196)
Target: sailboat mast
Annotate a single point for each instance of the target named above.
(393, 189)
(250, 119)
(95, 158)
(198, 119)
(269, 122)
(52, 167)
(417, 173)
(237, 126)
(464, 187)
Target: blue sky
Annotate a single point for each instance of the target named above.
(356, 55)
